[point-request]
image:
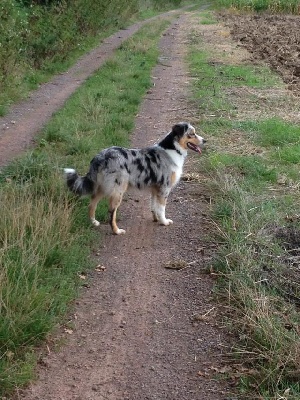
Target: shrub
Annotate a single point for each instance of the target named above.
(13, 29)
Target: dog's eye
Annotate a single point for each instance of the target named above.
(191, 135)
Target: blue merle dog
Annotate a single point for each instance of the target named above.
(158, 168)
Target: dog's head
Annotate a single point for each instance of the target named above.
(181, 138)
(185, 135)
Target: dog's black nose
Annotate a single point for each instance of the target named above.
(204, 141)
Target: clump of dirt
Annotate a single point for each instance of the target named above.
(272, 38)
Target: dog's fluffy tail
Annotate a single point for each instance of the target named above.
(80, 185)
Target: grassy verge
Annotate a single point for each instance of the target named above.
(253, 167)
(44, 232)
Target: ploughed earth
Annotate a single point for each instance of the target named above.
(272, 38)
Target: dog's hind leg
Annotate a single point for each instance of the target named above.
(114, 202)
(93, 205)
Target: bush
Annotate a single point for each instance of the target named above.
(13, 29)
(53, 33)
(36, 33)
(38, 36)
(159, 4)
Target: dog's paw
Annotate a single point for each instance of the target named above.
(95, 222)
(120, 232)
(167, 222)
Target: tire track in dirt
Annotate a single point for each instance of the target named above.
(138, 328)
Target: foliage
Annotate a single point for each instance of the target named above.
(13, 29)
(41, 35)
(158, 4)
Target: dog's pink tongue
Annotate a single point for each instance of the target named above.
(194, 147)
(198, 150)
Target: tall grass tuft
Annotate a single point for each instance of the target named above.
(38, 259)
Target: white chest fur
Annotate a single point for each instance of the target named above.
(177, 158)
(178, 161)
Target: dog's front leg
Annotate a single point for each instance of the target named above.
(154, 205)
(160, 209)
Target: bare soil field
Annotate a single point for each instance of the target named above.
(272, 38)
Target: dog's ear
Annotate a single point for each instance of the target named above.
(179, 129)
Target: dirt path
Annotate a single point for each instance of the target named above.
(140, 330)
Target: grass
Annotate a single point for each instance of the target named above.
(291, 6)
(218, 76)
(45, 235)
(253, 168)
(207, 18)
(272, 132)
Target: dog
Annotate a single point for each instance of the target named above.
(115, 169)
